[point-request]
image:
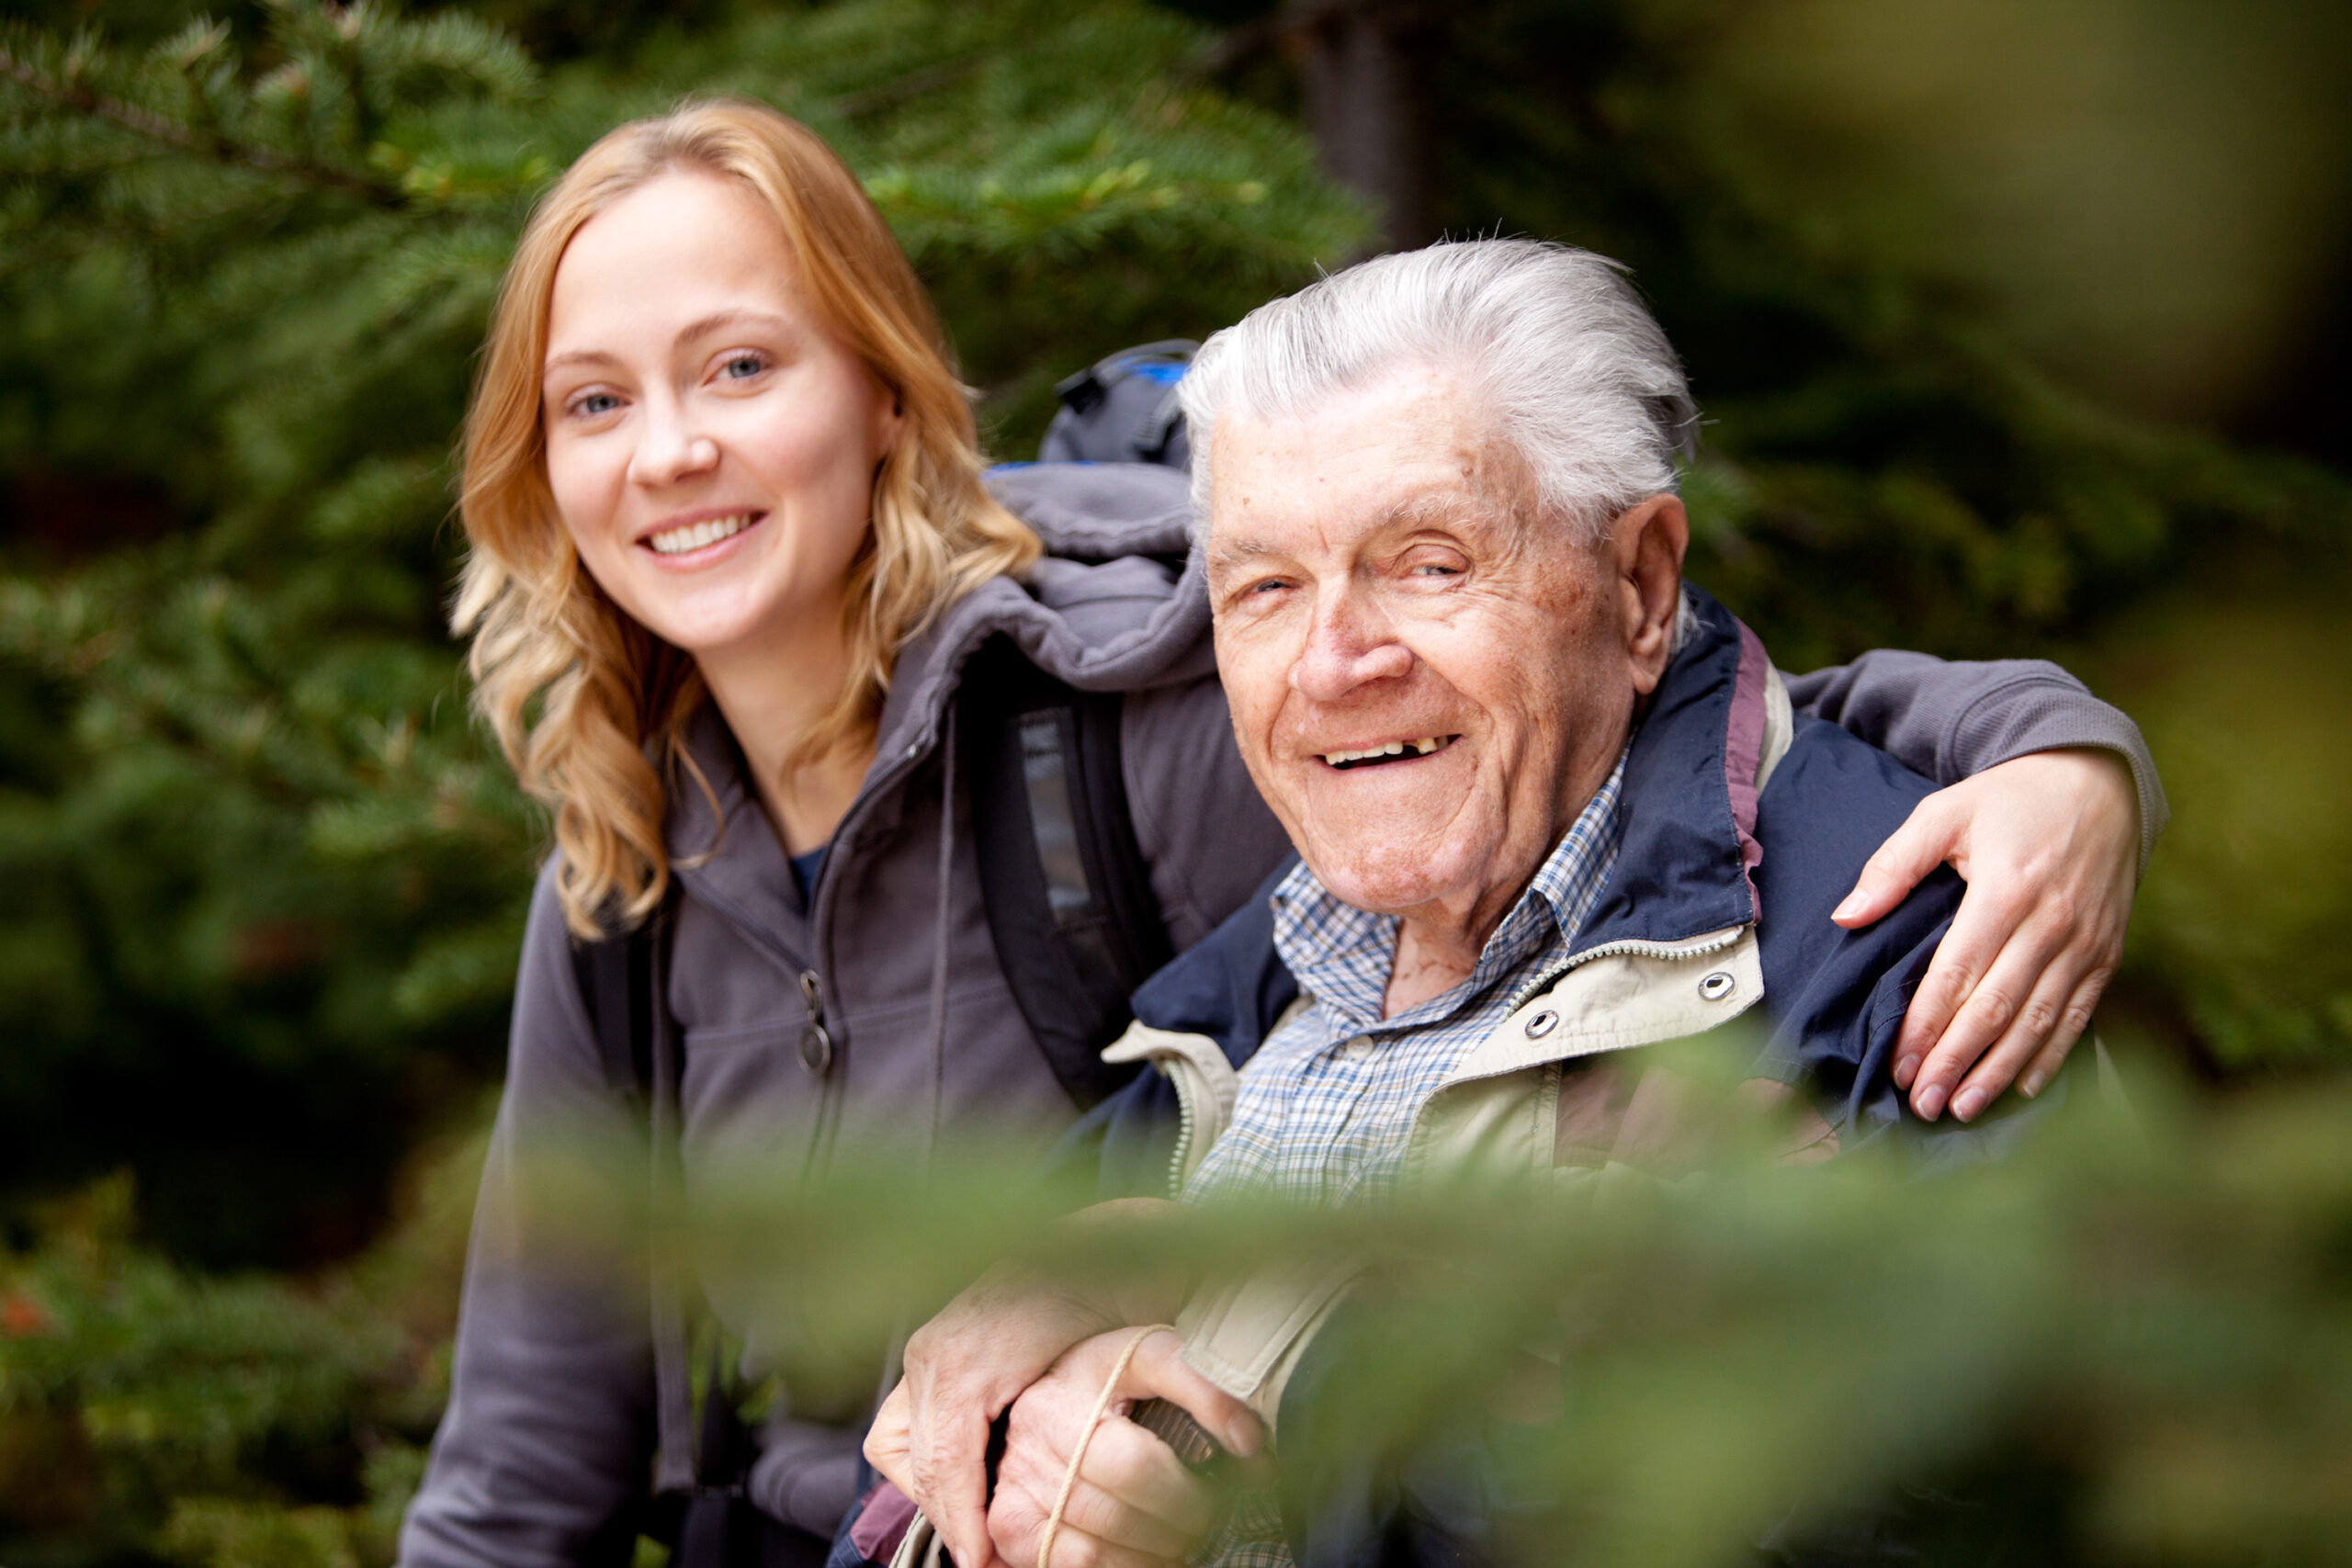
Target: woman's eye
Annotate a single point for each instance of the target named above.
(743, 366)
(588, 405)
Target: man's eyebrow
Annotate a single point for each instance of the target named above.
(1235, 552)
(1432, 508)
(702, 326)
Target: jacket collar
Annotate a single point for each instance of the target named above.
(1688, 840)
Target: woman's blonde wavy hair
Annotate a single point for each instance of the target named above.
(591, 708)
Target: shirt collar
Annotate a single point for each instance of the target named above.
(1343, 955)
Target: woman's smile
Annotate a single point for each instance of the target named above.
(695, 542)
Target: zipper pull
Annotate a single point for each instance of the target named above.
(816, 1044)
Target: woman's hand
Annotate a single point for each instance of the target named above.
(2050, 846)
(1133, 1504)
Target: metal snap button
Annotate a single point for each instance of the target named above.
(816, 1049)
(1717, 986)
(1542, 1023)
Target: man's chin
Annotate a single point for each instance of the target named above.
(1386, 882)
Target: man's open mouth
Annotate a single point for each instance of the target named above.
(1394, 752)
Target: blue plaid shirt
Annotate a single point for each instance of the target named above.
(1327, 1105)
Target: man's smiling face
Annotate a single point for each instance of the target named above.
(1428, 679)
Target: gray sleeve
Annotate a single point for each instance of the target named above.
(1951, 720)
(1208, 838)
(548, 1436)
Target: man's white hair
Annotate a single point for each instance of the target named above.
(1552, 340)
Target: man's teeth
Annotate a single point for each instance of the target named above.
(695, 535)
(1423, 746)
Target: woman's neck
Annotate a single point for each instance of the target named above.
(771, 696)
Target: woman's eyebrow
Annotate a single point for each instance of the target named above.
(575, 357)
(703, 326)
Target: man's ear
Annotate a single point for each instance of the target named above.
(1648, 543)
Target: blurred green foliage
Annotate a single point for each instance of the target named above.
(2131, 1344)
(151, 1415)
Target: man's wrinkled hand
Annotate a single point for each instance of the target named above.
(2049, 844)
(966, 1366)
(1132, 1504)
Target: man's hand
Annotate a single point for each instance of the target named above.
(1134, 1504)
(966, 1366)
(2050, 846)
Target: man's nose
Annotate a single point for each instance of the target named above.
(1350, 645)
(669, 446)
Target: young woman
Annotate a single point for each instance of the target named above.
(731, 552)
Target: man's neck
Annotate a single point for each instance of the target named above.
(1430, 963)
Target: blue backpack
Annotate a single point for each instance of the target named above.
(1122, 409)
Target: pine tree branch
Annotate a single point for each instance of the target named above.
(914, 84)
(219, 149)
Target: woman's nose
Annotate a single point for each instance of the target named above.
(669, 448)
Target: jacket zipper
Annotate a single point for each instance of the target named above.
(815, 1041)
(1633, 946)
(1184, 1124)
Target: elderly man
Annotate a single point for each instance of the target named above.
(1552, 804)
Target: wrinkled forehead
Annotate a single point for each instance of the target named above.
(1411, 451)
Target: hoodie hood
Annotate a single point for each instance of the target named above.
(1118, 603)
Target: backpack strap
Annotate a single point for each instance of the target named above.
(615, 974)
(1068, 897)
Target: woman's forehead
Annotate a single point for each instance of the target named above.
(685, 249)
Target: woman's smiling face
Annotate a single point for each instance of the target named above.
(711, 445)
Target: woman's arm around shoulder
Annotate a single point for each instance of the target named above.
(2050, 805)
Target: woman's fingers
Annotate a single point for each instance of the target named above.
(2049, 846)
(1970, 1089)
(2072, 1027)
(2013, 992)
(1973, 987)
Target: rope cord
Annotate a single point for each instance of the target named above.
(1086, 1436)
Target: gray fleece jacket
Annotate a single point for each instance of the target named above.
(570, 1365)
